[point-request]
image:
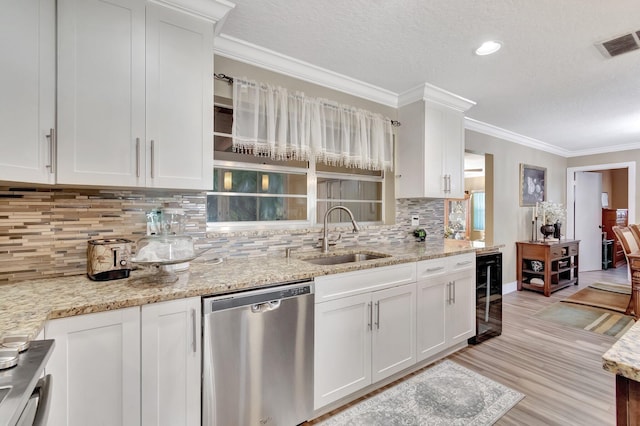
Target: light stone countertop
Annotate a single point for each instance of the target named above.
(26, 306)
(623, 358)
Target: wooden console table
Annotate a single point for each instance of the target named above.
(547, 266)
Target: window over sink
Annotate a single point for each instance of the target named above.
(256, 189)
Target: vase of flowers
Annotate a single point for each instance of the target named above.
(553, 216)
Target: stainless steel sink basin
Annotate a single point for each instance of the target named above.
(345, 258)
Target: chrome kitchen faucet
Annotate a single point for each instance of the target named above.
(325, 236)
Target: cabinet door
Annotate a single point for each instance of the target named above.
(96, 365)
(431, 315)
(171, 363)
(27, 84)
(452, 134)
(394, 330)
(179, 100)
(101, 92)
(461, 311)
(342, 348)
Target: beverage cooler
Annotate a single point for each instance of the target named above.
(488, 297)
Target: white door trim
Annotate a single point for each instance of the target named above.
(631, 196)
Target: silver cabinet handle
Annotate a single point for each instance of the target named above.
(439, 268)
(488, 295)
(449, 293)
(137, 157)
(153, 158)
(52, 151)
(193, 330)
(453, 284)
(370, 315)
(466, 262)
(43, 388)
(378, 315)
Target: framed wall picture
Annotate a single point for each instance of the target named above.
(532, 184)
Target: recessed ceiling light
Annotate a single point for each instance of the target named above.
(488, 47)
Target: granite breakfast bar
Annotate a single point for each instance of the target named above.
(623, 359)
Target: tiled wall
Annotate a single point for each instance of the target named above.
(44, 232)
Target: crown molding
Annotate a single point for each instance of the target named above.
(508, 135)
(240, 50)
(604, 149)
(212, 10)
(431, 93)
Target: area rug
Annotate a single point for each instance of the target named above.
(445, 394)
(603, 295)
(597, 320)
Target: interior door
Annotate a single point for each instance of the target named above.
(588, 219)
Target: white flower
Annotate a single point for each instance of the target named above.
(551, 212)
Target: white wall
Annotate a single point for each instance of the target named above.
(511, 222)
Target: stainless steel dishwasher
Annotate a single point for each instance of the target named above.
(258, 357)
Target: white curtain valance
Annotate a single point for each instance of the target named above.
(268, 120)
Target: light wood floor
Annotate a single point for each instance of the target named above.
(558, 368)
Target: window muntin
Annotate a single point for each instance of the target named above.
(361, 194)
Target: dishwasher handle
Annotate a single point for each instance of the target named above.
(260, 308)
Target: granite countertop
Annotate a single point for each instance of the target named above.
(623, 358)
(26, 306)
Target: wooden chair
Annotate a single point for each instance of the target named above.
(630, 241)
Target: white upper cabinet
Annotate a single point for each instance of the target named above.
(430, 148)
(101, 92)
(179, 134)
(27, 84)
(135, 95)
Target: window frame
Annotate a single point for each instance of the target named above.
(312, 192)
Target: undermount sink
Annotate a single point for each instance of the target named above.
(345, 258)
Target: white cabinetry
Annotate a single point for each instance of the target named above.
(364, 329)
(445, 303)
(96, 368)
(127, 366)
(171, 355)
(135, 95)
(430, 148)
(27, 85)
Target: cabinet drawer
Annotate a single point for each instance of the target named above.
(573, 250)
(558, 251)
(461, 262)
(431, 267)
(330, 287)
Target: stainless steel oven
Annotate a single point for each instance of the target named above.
(24, 395)
(258, 357)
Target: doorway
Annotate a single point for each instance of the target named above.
(478, 185)
(574, 199)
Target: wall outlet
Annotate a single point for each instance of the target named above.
(415, 220)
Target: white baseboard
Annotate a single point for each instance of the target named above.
(509, 287)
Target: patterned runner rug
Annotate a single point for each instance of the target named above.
(603, 295)
(445, 394)
(597, 320)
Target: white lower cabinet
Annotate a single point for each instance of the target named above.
(445, 303)
(171, 356)
(102, 376)
(364, 337)
(96, 368)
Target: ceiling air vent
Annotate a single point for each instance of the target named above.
(619, 45)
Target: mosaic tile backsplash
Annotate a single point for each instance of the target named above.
(44, 232)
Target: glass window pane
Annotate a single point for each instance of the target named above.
(226, 208)
(478, 211)
(255, 182)
(362, 212)
(347, 189)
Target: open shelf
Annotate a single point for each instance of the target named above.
(554, 263)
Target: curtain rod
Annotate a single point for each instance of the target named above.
(229, 80)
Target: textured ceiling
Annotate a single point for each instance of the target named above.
(549, 82)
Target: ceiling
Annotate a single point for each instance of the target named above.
(549, 86)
